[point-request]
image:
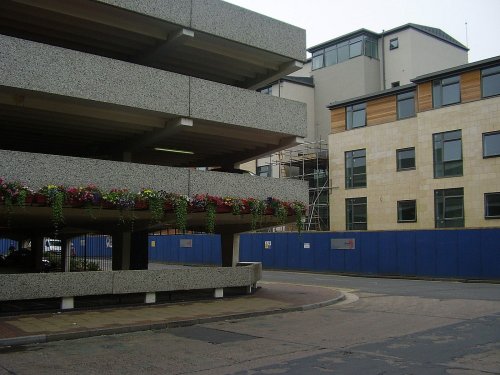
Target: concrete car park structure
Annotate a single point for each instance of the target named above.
(131, 95)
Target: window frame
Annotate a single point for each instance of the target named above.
(403, 97)
(401, 169)
(391, 45)
(269, 172)
(350, 203)
(350, 176)
(452, 195)
(496, 71)
(350, 111)
(443, 163)
(439, 86)
(400, 220)
(486, 216)
(494, 133)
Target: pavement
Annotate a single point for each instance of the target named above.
(269, 298)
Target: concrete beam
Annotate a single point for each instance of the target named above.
(263, 80)
(164, 48)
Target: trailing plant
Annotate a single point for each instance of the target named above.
(211, 212)
(180, 209)
(299, 210)
(156, 201)
(56, 196)
(257, 208)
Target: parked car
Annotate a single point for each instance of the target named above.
(52, 245)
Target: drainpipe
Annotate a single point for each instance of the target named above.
(383, 59)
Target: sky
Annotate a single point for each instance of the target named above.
(327, 19)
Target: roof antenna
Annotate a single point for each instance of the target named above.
(466, 36)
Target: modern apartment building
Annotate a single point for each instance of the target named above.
(419, 156)
(355, 64)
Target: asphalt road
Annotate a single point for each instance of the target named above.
(386, 326)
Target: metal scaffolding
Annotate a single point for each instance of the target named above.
(308, 162)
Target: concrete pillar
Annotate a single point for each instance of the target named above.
(219, 293)
(150, 298)
(65, 255)
(230, 243)
(37, 247)
(67, 303)
(121, 250)
(139, 251)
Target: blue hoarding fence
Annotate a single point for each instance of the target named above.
(468, 253)
(186, 249)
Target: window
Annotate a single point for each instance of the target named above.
(355, 212)
(264, 171)
(337, 53)
(331, 55)
(491, 145)
(355, 47)
(267, 90)
(492, 205)
(317, 59)
(490, 81)
(405, 159)
(445, 91)
(356, 116)
(448, 154)
(355, 169)
(393, 43)
(395, 84)
(407, 211)
(449, 208)
(406, 105)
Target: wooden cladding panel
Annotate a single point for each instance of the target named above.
(470, 86)
(380, 111)
(338, 120)
(424, 100)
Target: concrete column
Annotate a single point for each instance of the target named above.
(230, 245)
(121, 250)
(139, 251)
(67, 303)
(65, 255)
(150, 298)
(37, 247)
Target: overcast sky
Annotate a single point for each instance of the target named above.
(328, 19)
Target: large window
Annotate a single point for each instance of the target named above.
(490, 80)
(448, 154)
(267, 90)
(492, 205)
(406, 105)
(355, 169)
(264, 171)
(445, 91)
(449, 208)
(337, 53)
(407, 211)
(355, 213)
(491, 144)
(355, 116)
(405, 159)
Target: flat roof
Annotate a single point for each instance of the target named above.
(378, 94)
(458, 69)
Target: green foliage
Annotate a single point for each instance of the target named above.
(180, 210)
(211, 210)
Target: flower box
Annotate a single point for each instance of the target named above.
(223, 209)
(141, 204)
(39, 200)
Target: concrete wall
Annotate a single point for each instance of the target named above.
(73, 284)
(47, 69)
(385, 186)
(37, 170)
(349, 79)
(418, 54)
(224, 20)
